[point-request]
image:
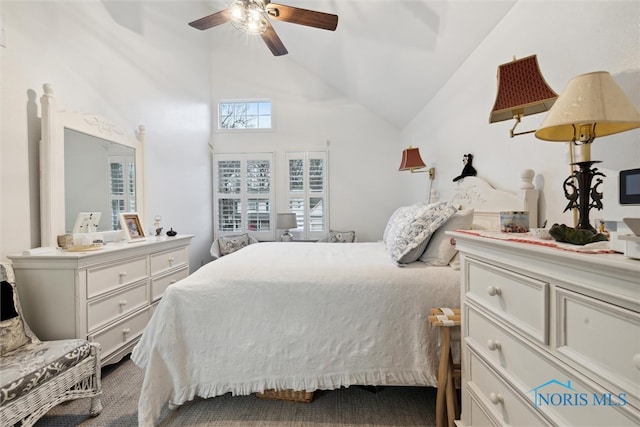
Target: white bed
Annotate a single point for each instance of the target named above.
(302, 316)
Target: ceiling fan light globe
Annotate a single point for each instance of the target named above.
(254, 15)
(254, 27)
(236, 12)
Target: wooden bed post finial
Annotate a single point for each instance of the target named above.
(527, 176)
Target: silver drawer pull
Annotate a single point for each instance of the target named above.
(493, 291)
(496, 398)
(636, 360)
(494, 345)
(171, 260)
(123, 302)
(122, 274)
(126, 331)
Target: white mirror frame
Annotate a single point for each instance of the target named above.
(52, 197)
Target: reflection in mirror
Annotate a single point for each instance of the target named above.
(99, 177)
(99, 169)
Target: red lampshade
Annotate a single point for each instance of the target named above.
(411, 159)
(522, 90)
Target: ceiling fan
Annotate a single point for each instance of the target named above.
(252, 16)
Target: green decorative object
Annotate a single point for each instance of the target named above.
(575, 236)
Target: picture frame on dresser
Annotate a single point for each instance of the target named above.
(132, 226)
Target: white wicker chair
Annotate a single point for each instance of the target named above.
(37, 375)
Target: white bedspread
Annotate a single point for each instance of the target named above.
(301, 316)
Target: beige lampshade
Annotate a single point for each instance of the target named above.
(411, 159)
(593, 101)
(522, 90)
(286, 221)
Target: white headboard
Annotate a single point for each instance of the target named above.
(474, 192)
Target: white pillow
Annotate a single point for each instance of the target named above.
(414, 225)
(440, 250)
(455, 262)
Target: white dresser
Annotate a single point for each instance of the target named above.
(550, 337)
(106, 295)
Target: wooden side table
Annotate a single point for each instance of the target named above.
(446, 398)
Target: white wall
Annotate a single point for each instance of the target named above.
(135, 63)
(309, 116)
(569, 38)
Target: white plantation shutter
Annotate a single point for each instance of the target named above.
(122, 187)
(307, 194)
(258, 193)
(243, 194)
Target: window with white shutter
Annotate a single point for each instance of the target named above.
(244, 195)
(122, 187)
(307, 194)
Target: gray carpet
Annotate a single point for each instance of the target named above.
(354, 406)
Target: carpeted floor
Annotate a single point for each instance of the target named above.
(354, 406)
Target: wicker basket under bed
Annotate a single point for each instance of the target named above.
(290, 395)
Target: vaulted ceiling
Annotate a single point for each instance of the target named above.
(392, 56)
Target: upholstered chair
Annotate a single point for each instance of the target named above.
(225, 245)
(339, 237)
(37, 375)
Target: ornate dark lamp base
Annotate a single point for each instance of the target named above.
(584, 196)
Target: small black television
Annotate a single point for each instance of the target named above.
(630, 187)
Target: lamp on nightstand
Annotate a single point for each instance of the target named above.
(286, 221)
(592, 105)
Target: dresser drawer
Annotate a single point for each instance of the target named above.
(102, 311)
(602, 338)
(498, 346)
(167, 260)
(479, 417)
(112, 276)
(160, 284)
(121, 333)
(499, 398)
(544, 383)
(520, 300)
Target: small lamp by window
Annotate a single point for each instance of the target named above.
(286, 221)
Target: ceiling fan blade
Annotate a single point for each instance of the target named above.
(296, 15)
(273, 42)
(211, 20)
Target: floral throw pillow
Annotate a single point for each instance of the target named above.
(401, 216)
(407, 239)
(230, 244)
(339, 237)
(14, 333)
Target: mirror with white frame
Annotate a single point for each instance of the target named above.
(87, 165)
